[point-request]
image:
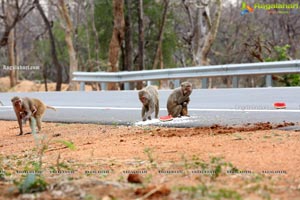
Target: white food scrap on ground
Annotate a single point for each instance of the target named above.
(177, 120)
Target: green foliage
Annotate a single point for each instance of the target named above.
(195, 163)
(281, 54)
(218, 166)
(154, 13)
(149, 153)
(104, 25)
(31, 183)
(204, 191)
(33, 166)
(225, 194)
(59, 35)
(2, 172)
(68, 144)
(195, 191)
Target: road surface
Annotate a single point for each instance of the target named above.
(207, 107)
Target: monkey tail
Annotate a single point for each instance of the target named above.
(50, 107)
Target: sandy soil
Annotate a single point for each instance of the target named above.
(31, 86)
(104, 156)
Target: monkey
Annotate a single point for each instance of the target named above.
(149, 98)
(29, 107)
(179, 99)
(27, 110)
(184, 111)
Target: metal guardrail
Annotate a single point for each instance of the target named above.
(203, 72)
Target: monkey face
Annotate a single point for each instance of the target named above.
(144, 100)
(17, 104)
(187, 89)
(144, 97)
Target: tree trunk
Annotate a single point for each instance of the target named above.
(16, 52)
(88, 47)
(198, 34)
(128, 40)
(11, 57)
(68, 38)
(212, 34)
(95, 31)
(141, 41)
(116, 39)
(211, 38)
(160, 36)
(11, 47)
(53, 47)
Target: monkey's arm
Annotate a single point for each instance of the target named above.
(186, 102)
(26, 109)
(150, 110)
(19, 118)
(183, 98)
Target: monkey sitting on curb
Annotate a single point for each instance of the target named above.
(179, 99)
(149, 98)
(29, 107)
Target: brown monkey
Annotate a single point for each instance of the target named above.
(184, 111)
(149, 98)
(27, 107)
(179, 99)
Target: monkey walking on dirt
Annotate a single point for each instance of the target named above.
(29, 107)
(149, 98)
(179, 99)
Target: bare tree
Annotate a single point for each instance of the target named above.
(128, 60)
(158, 54)
(18, 11)
(68, 27)
(52, 45)
(97, 47)
(116, 39)
(202, 28)
(141, 40)
(12, 13)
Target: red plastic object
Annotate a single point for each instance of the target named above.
(279, 105)
(166, 118)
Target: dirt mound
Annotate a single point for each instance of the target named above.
(32, 86)
(4, 84)
(217, 129)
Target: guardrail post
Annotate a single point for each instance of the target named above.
(126, 86)
(82, 86)
(204, 82)
(103, 86)
(268, 80)
(176, 83)
(235, 82)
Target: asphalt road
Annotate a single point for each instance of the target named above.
(207, 107)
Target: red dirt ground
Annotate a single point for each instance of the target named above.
(271, 155)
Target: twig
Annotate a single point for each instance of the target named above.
(148, 194)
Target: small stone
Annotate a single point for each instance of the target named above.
(134, 178)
